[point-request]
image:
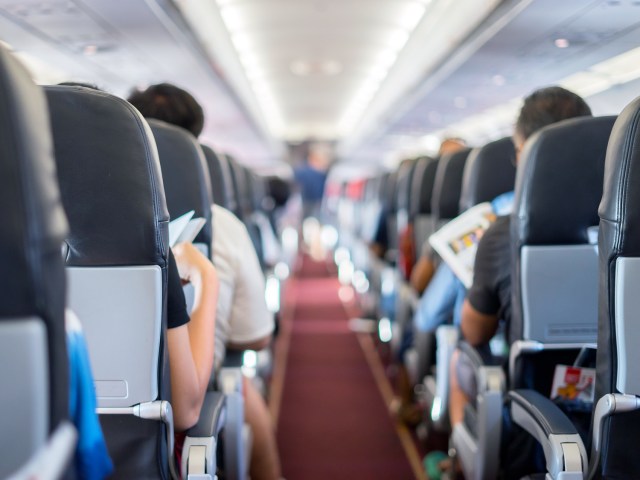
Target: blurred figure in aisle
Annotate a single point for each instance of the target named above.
(311, 177)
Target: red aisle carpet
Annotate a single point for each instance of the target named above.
(333, 423)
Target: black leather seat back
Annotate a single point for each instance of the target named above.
(241, 189)
(33, 357)
(112, 190)
(221, 182)
(445, 202)
(619, 249)
(422, 189)
(558, 188)
(186, 179)
(489, 172)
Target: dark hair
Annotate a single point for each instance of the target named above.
(546, 106)
(170, 104)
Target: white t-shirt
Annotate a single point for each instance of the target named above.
(241, 314)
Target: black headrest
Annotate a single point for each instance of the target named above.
(403, 184)
(32, 282)
(220, 176)
(422, 187)
(110, 180)
(620, 205)
(186, 176)
(241, 189)
(258, 189)
(489, 172)
(445, 203)
(559, 182)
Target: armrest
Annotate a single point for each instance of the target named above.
(53, 458)
(212, 416)
(562, 445)
(199, 450)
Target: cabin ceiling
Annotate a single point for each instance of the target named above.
(370, 75)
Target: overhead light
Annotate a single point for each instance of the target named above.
(561, 42)
(431, 143)
(232, 17)
(241, 42)
(331, 67)
(460, 102)
(90, 50)
(412, 14)
(498, 80)
(398, 39)
(301, 68)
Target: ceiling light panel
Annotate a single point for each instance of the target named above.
(325, 52)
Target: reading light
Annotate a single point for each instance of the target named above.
(561, 42)
(498, 80)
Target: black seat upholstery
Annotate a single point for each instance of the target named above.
(490, 171)
(445, 202)
(221, 182)
(34, 365)
(112, 190)
(422, 187)
(185, 176)
(619, 247)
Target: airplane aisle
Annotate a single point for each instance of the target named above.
(333, 422)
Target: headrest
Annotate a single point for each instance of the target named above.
(620, 205)
(221, 186)
(33, 222)
(110, 180)
(422, 187)
(559, 182)
(258, 189)
(445, 203)
(490, 171)
(186, 176)
(403, 184)
(241, 189)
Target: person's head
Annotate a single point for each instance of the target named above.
(170, 104)
(544, 107)
(451, 145)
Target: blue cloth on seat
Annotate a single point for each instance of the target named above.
(91, 457)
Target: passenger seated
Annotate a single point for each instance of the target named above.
(189, 348)
(424, 269)
(243, 321)
(489, 298)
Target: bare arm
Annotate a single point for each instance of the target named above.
(477, 328)
(191, 345)
(422, 274)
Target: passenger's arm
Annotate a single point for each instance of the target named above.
(422, 274)
(191, 346)
(477, 328)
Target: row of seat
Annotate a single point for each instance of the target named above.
(557, 310)
(120, 180)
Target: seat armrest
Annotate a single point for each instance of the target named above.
(212, 416)
(472, 353)
(563, 448)
(200, 444)
(52, 460)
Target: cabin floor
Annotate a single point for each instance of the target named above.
(330, 393)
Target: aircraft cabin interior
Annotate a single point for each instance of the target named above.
(319, 239)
